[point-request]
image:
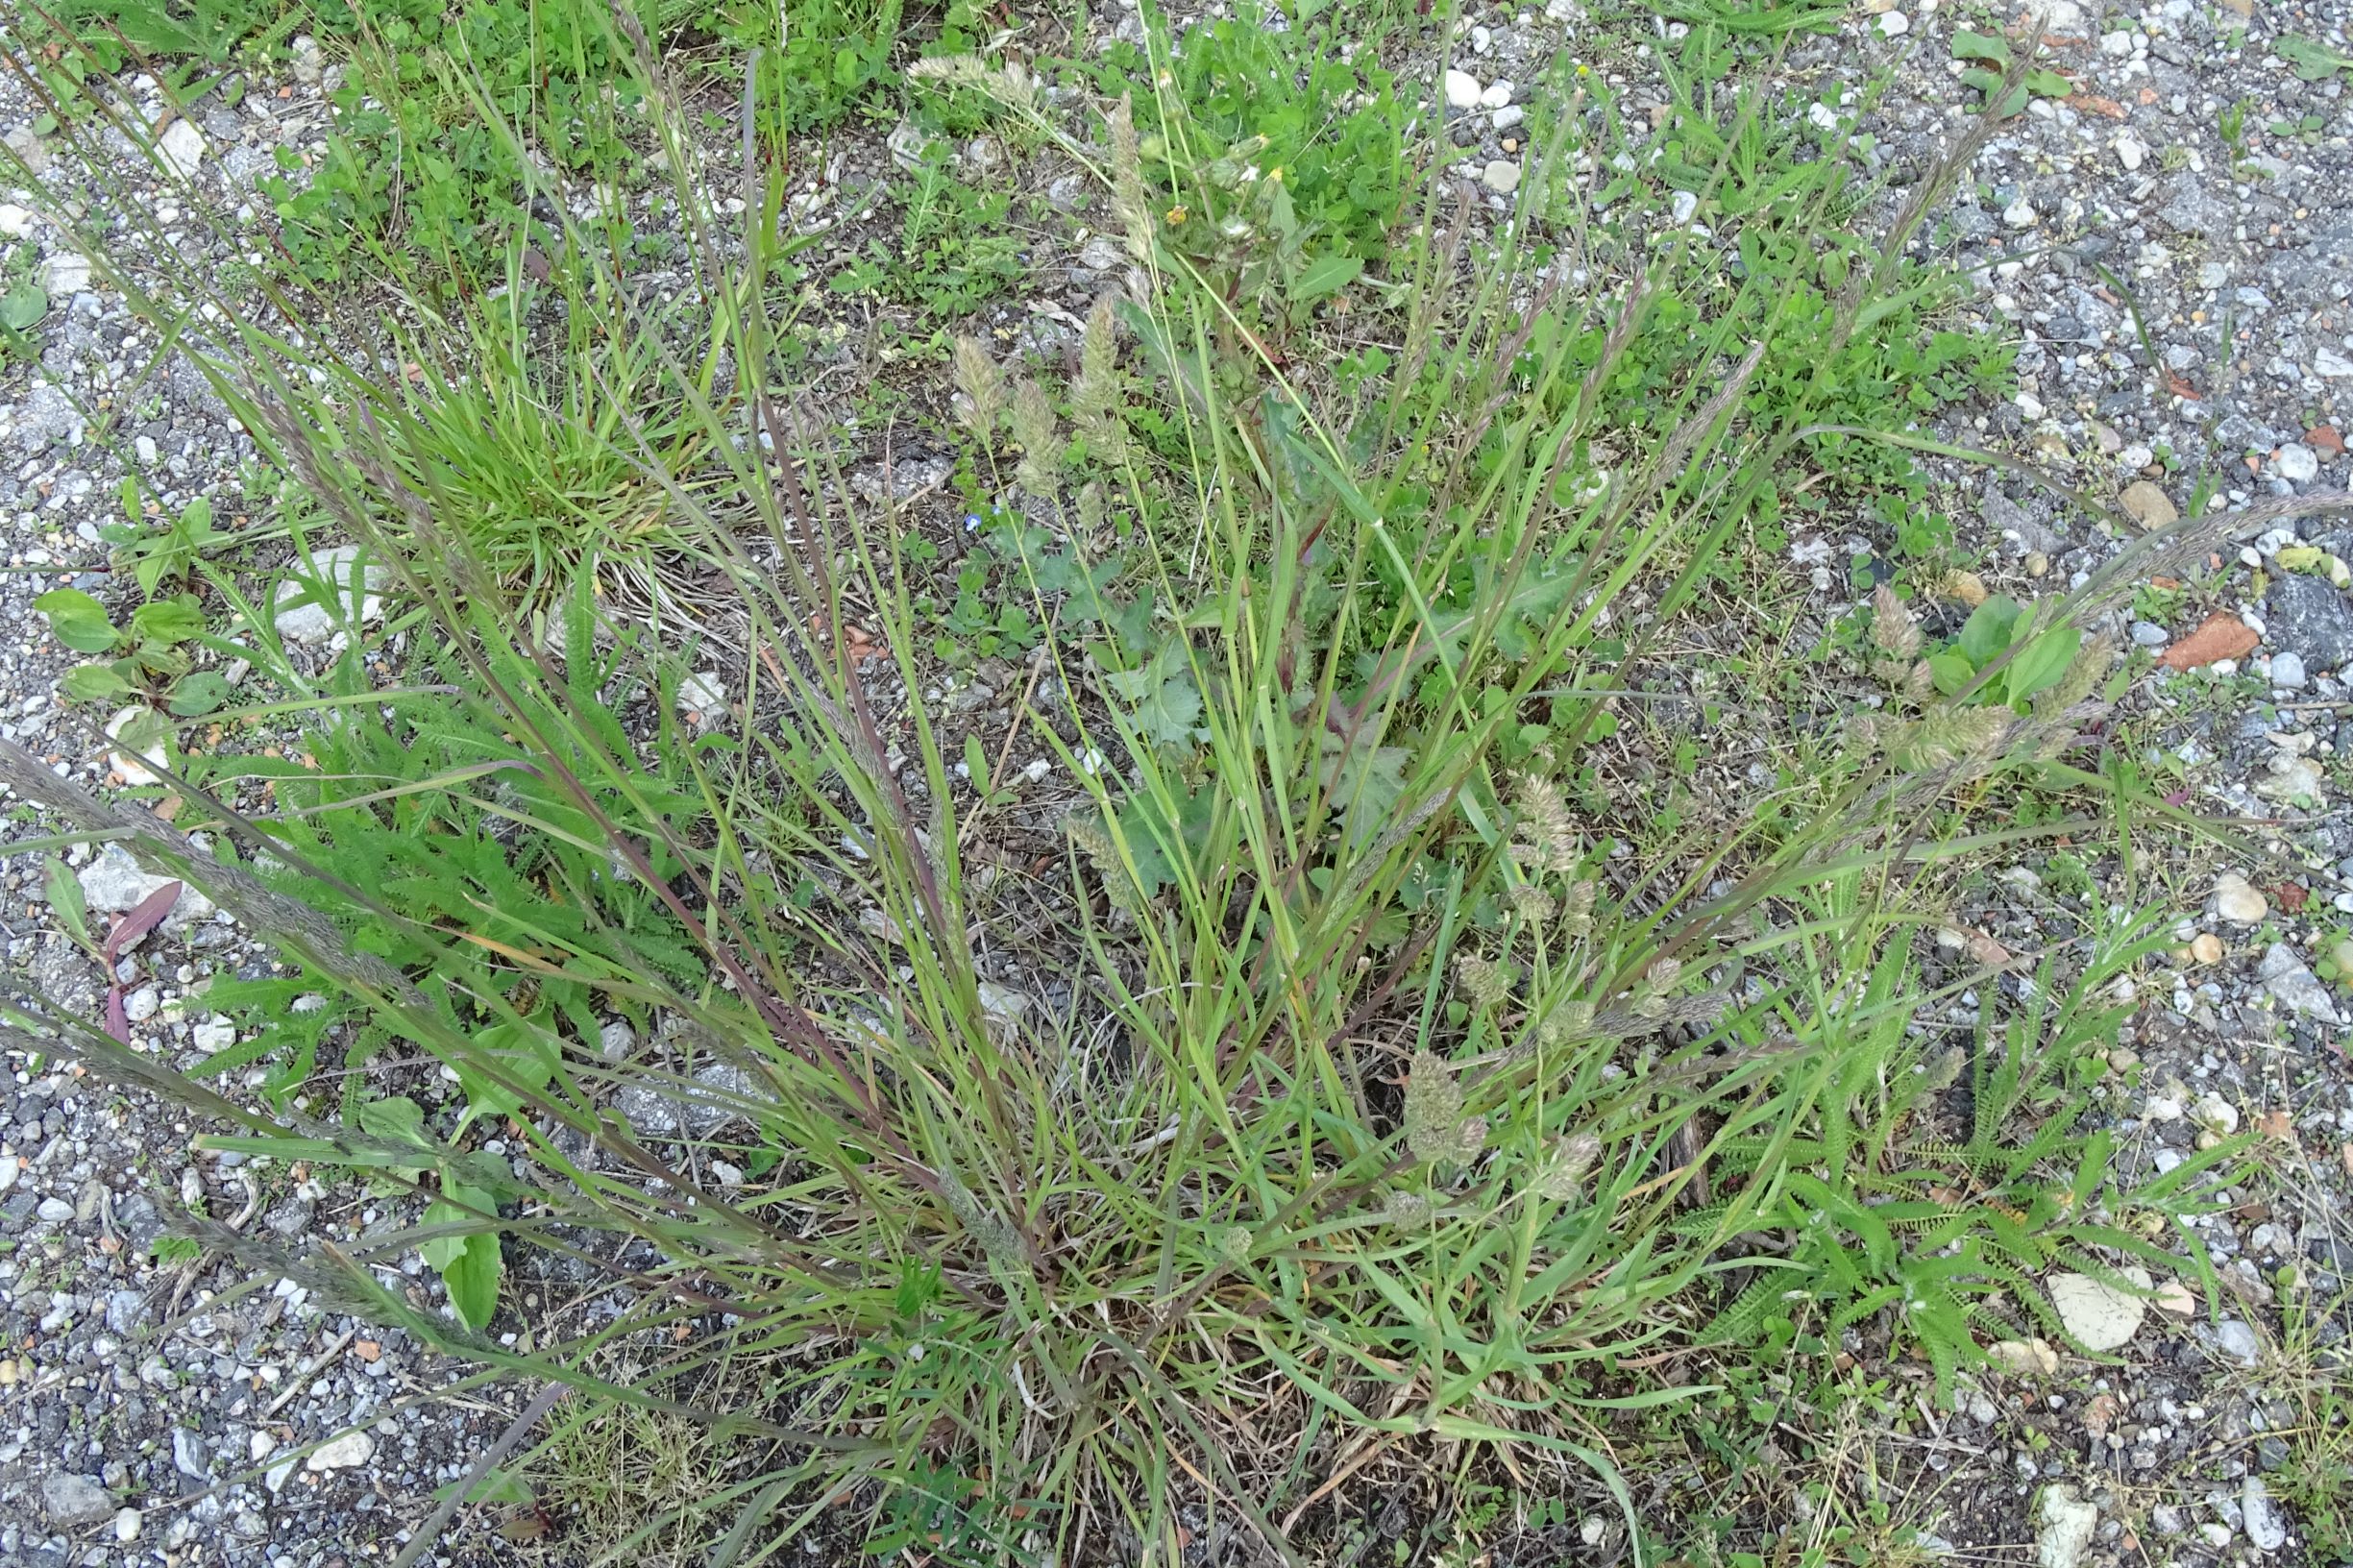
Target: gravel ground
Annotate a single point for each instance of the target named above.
(152, 1410)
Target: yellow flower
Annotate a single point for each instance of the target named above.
(1177, 215)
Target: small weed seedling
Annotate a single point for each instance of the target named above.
(147, 657)
(1989, 77)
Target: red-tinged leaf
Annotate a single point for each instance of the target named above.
(145, 919)
(118, 1021)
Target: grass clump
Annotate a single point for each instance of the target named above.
(1366, 1096)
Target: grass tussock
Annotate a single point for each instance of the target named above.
(1335, 1072)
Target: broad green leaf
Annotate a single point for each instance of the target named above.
(1987, 630)
(1989, 83)
(1967, 45)
(473, 1279)
(1325, 275)
(1952, 672)
(145, 732)
(523, 1052)
(500, 1485)
(169, 620)
(79, 620)
(199, 694)
(94, 683)
(66, 901)
(2042, 663)
(976, 763)
(2048, 84)
(464, 1205)
(23, 305)
(398, 1119)
(2312, 60)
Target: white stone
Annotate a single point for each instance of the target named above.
(2293, 781)
(2236, 901)
(2287, 671)
(2260, 1519)
(2096, 1313)
(138, 764)
(182, 148)
(330, 574)
(1821, 117)
(1507, 116)
(2237, 1342)
(115, 883)
(1501, 176)
(2214, 1114)
(2129, 152)
(2019, 215)
(2295, 988)
(704, 692)
(1684, 207)
(16, 222)
(1101, 253)
(2329, 363)
(1462, 89)
(2028, 1357)
(353, 1447)
(127, 1526)
(70, 1500)
(1894, 24)
(1497, 94)
(1003, 1006)
(66, 273)
(2298, 462)
(2068, 1522)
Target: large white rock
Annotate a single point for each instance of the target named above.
(147, 747)
(335, 572)
(2068, 1524)
(116, 884)
(181, 147)
(2236, 901)
(344, 1453)
(2096, 1312)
